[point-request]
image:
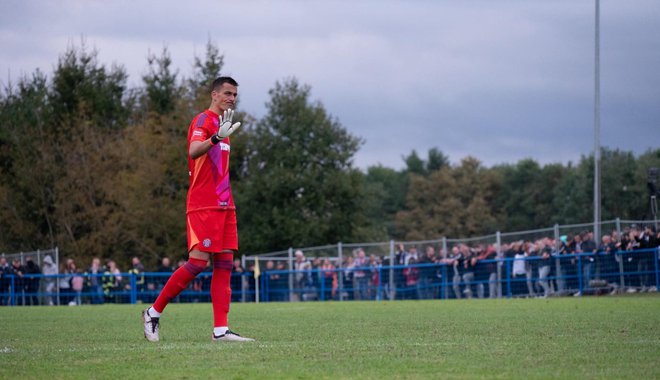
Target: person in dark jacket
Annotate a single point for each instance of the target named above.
(32, 283)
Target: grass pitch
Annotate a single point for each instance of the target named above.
(605, 337)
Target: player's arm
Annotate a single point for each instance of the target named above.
(199, 148)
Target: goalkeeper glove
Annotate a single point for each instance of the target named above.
(226, 127)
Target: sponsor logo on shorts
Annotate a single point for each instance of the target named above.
(225, 146)
(206, 243)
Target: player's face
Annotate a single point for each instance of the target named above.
(225, 96)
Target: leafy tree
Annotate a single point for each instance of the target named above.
(84, 89)
(386, 189)
(88, 102)
(26, 167)
(648, 160)
(299, 187)
(161, 85)
(436, 160)
(414, 164)
(452, 201)
(205, 72)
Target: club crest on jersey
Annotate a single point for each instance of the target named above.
(206, 243)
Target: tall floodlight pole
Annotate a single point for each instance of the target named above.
(597, 127)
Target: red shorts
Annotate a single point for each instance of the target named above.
(212, 230)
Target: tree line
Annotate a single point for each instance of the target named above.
(99, 169)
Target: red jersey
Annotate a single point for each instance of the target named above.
(209, 173)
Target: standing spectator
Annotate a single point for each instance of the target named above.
(250, 282)
(647, 244)
(561, 264)
(94, 274)
(272, 281)
(360, 275)
(302, 275)
(411, 271)
(49, 271)
(32, 281)
(574, 248)
(137, 269)
(236, 282)
(469, 263)
(347, 284)
(77, 285)
(411, 254)
(486, 270)
(630, 261)
(375, 288)
(385, 267)
(5, 281)
(609, 262)
(518, 272)
(545, 267)
(455, 260)
(329, 279)
(315, 276)
(282, 282)
(399, 279)
(166, 269)
(531, 266)
(64, 282)
(427, 275)
(111, 282)
(18, 271)
(589, 250)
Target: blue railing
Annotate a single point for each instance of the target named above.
(578, 274)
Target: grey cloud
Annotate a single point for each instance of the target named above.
(499, 80)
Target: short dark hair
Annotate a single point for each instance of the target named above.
(218, 82)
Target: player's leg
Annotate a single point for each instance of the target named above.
(180, 279)
(221, 280)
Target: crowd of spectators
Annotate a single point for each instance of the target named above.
(572, 265)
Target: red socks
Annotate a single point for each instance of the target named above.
(178, 282)
(220, 288)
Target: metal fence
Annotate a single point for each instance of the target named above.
(329, 273)
(557, 275)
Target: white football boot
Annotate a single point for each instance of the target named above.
(151, 326)
(230, 336)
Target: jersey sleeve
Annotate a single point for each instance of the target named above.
(201, 129)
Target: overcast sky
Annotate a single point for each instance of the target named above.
(498, 80)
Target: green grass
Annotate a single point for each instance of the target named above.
(597, 337)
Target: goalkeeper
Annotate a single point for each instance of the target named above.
(210, 212)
